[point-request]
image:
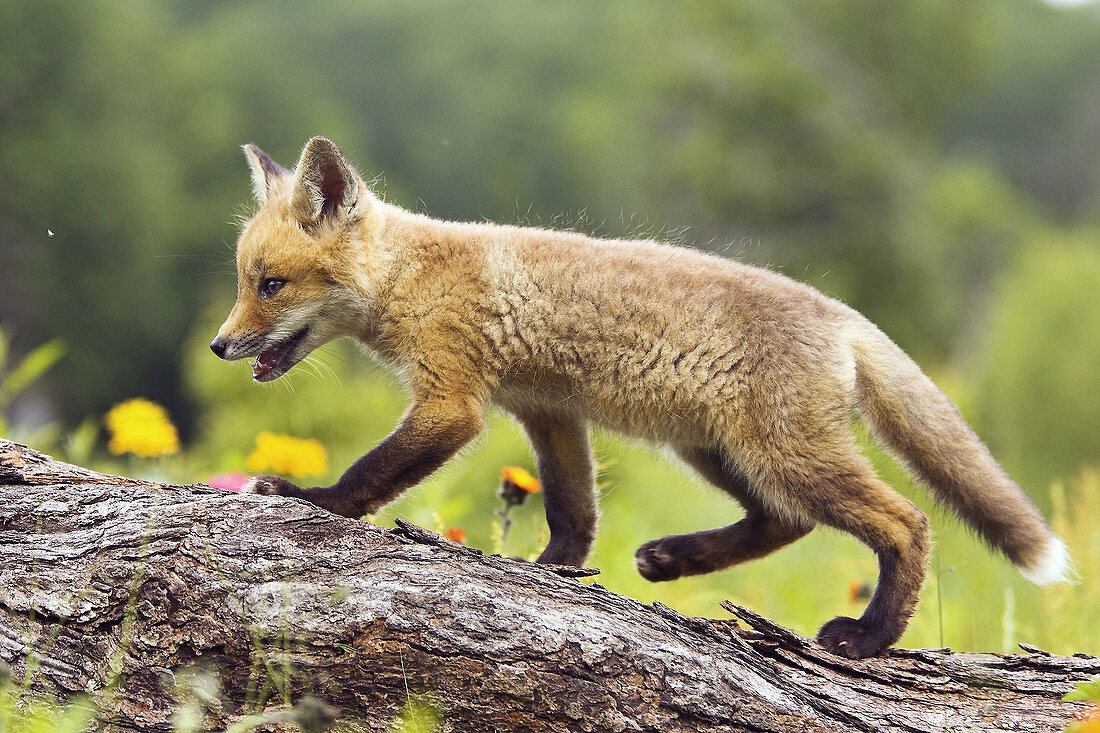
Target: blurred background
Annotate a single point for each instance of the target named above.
(934, 164)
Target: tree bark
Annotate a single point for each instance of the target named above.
(116, 587)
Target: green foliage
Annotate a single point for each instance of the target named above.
(32, 367)
(18, 377)
(797, 131)
(22, 711)
(1089, 690)
(417, 716)
(1033, 111)
(1087, 721)
(1039, 381)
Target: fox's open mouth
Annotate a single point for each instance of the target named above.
(274, 361)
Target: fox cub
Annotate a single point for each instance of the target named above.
(749, 376)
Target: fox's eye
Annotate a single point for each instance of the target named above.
(271, 286)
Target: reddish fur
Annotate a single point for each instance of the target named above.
(749, 375)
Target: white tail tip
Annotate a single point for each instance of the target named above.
(1052, 565)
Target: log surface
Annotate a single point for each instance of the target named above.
(115, 586)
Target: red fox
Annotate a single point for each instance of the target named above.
(749, 376)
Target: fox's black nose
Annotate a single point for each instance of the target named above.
(218, 346)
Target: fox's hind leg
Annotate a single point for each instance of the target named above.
(759, 533)
(568, 485)
(832, 483)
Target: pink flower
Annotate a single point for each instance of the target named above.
(228, 481)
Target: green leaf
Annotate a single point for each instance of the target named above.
(44, 436)
(81, 441)
(1089, 690)
(78, 715)
(33, 714)
(418, 715)
(33, 366)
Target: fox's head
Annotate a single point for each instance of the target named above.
(304, 261)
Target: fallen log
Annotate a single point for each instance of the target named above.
(122, 588)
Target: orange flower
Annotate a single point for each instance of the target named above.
(1086, 721)
(858, 590)
(456, 534)
(521, 478)
(515, 485)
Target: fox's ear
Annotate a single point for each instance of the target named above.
(265, 171)
(325, 183)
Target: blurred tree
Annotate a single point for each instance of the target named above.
(1039, 395)
(116, 140)
(1035, 111)
(92, 150)
(856, 145)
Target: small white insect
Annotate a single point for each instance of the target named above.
(49, 232)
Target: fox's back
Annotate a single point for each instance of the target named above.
(639, 334)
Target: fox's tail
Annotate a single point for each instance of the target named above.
(910, 414)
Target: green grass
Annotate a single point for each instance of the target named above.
(24, 711)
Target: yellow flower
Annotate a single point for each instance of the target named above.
(141, 427)
(287, 455)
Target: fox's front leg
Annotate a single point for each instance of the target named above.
(432, 431)
(569, 492)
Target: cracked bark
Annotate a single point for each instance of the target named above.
(102, 574)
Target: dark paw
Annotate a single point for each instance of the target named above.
(565, 553)
(655, 563)
(270, 486)
(848, 637)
